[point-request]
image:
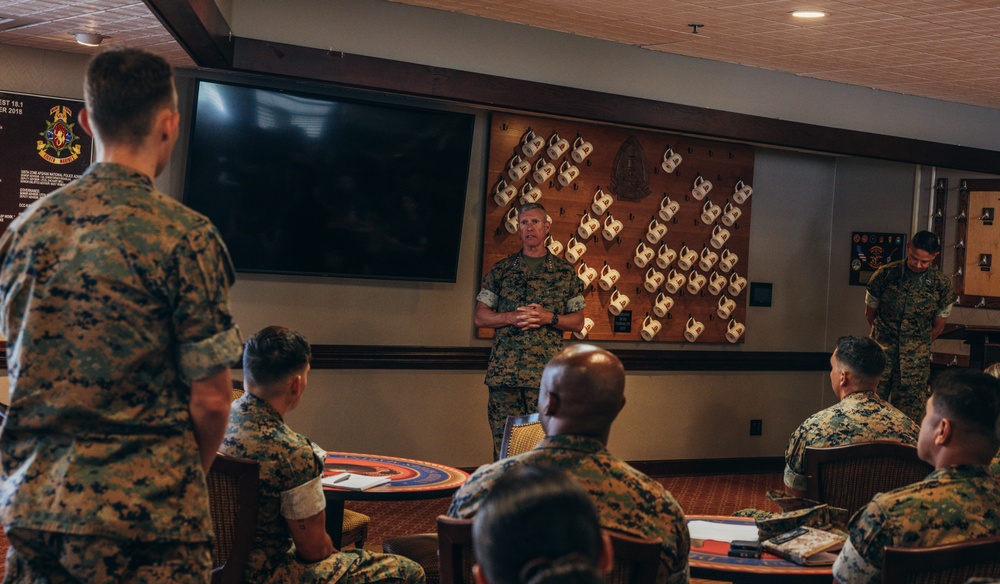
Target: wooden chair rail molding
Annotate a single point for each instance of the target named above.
(475, 359)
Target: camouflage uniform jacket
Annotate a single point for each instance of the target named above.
(518, 357)
(113, 297)
(906, 306)
(953, 504)
(626, 499)
(859, 417)
(287, 460)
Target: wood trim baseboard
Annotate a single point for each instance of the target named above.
(704, 466)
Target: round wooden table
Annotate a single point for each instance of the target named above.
(409, 480)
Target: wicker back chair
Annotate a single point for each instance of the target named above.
(237, 390)
(521, 434)
(947, 564)
(232, 497)
(636, 559)
(849, 476)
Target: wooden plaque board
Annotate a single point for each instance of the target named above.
(983, 245)
(627, 164)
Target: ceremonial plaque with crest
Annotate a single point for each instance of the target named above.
(44, 147)
(657, 226)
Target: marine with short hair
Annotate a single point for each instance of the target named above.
(860, 415)
(582, 392)
(907, 304)
(955, 503)
(530, 297)
(115, 304)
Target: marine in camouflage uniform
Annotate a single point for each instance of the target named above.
(859, 417)
(626, 499)
(907, 309)
(953, 504)
(288, 460)
(995, 465)
(956, 502)
(582, 391)
(544, 289)
(114, 298)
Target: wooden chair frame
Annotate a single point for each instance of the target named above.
(231, 476)
(636, 559)
(455, 554)
(955, 562)
(514, 426)
(866, 463)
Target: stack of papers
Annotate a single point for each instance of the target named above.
(354, 482)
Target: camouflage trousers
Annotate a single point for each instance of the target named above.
(909, 399)
(508, 401)
(45, 556)
(366, 568)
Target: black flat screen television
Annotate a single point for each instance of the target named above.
(315, 184)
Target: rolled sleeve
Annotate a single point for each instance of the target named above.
(852, 568)
(206, 333)
(488, 298)
(575, 304)
(304, 501)
(794, 480)
(203, 359)
(870, 300)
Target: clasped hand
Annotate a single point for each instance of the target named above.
(531, 316)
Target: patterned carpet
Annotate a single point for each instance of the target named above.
(701, 495)
(698, 495)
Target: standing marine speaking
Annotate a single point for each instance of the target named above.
(530, 297)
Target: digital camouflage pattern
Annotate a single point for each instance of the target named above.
(995, 465)
(289, 460)
(508, 401)
(518, 357)
(626, 499)
(906, 304)
(113, 297)
(44, 556)
(953, 504)
(859, 417)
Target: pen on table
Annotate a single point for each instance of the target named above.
(342, 479)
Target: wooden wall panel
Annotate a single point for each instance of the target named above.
(983, 239)
(723, 164)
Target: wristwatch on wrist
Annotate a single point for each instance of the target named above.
(555, 319)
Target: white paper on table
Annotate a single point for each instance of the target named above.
(726, 532)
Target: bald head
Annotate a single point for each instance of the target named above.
(582, 391)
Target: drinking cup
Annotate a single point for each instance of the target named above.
(642, 255)
(609, 277)
(601, 202)
(693, 329)
(581, 150)
(671, 160)
(557, 146)
(675, 281)
(654, 280)
(735, 330)
(665, 256)
(649, 328)
(701, 188)
(618, 302)
(662, 305)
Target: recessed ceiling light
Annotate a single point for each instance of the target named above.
(808, 13)
(89, 39)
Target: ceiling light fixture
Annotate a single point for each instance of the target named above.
(89, 39)
(808, 13)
